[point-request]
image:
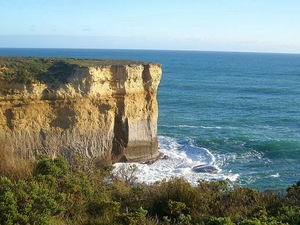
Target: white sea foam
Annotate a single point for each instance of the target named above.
(179, 160)
(275, 175)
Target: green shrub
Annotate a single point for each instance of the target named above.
(289, 215)
(85, 194)
(106, 211)
(251, 222)
(37, 203)
(135, 218)
(54, 167)
(28, 202)
(176, 208)
(219, 221)
(8, 202)
(176, 189)
(293, 194)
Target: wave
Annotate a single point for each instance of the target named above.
(181, 155)
(191, 126)
(203, 127)
(275, 148)
(239, 161)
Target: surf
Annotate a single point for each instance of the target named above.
(181, 158)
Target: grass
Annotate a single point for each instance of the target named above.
(12, 166)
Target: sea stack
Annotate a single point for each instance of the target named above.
(103, 109)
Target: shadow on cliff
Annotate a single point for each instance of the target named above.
(60, 71)
(121, 132)
(56, 75)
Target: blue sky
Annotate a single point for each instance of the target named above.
(213, 25)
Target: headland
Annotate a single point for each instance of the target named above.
(104, 109)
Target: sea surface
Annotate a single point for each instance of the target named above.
(239, 112)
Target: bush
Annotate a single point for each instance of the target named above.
(135, 218)
(56, 193)
(293, 194)
(289, 215)
(104, 211)
(47, 166)
(126, 173)
(28, 202)
(220, 221)
(8, 202)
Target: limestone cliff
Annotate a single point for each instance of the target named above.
(95, 108)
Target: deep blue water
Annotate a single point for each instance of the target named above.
(243, 107)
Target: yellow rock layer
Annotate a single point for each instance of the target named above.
(107, 112)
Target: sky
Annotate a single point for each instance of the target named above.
(206, 25)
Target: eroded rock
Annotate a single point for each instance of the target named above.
(106, 110)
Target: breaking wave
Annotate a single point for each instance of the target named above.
(180, 156)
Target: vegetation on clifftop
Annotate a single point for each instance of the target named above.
(50, 191)
(30, 69)
(27, 70)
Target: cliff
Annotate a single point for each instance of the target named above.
(94, 108)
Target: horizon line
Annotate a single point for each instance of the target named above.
(141, 49)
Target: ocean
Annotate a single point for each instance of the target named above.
(239, 112)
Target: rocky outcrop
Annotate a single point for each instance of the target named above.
(107, 111)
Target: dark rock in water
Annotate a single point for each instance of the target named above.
(205, 169)
(165, 157)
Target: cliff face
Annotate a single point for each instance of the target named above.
(106, 111)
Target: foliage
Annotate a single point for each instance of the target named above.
(28, 202)
(126, 173)
(293, 194)
(47, 166)
(27, 70)
(134, 218)
(219, 221)
(58, 193)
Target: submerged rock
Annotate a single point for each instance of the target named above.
(205, 169)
